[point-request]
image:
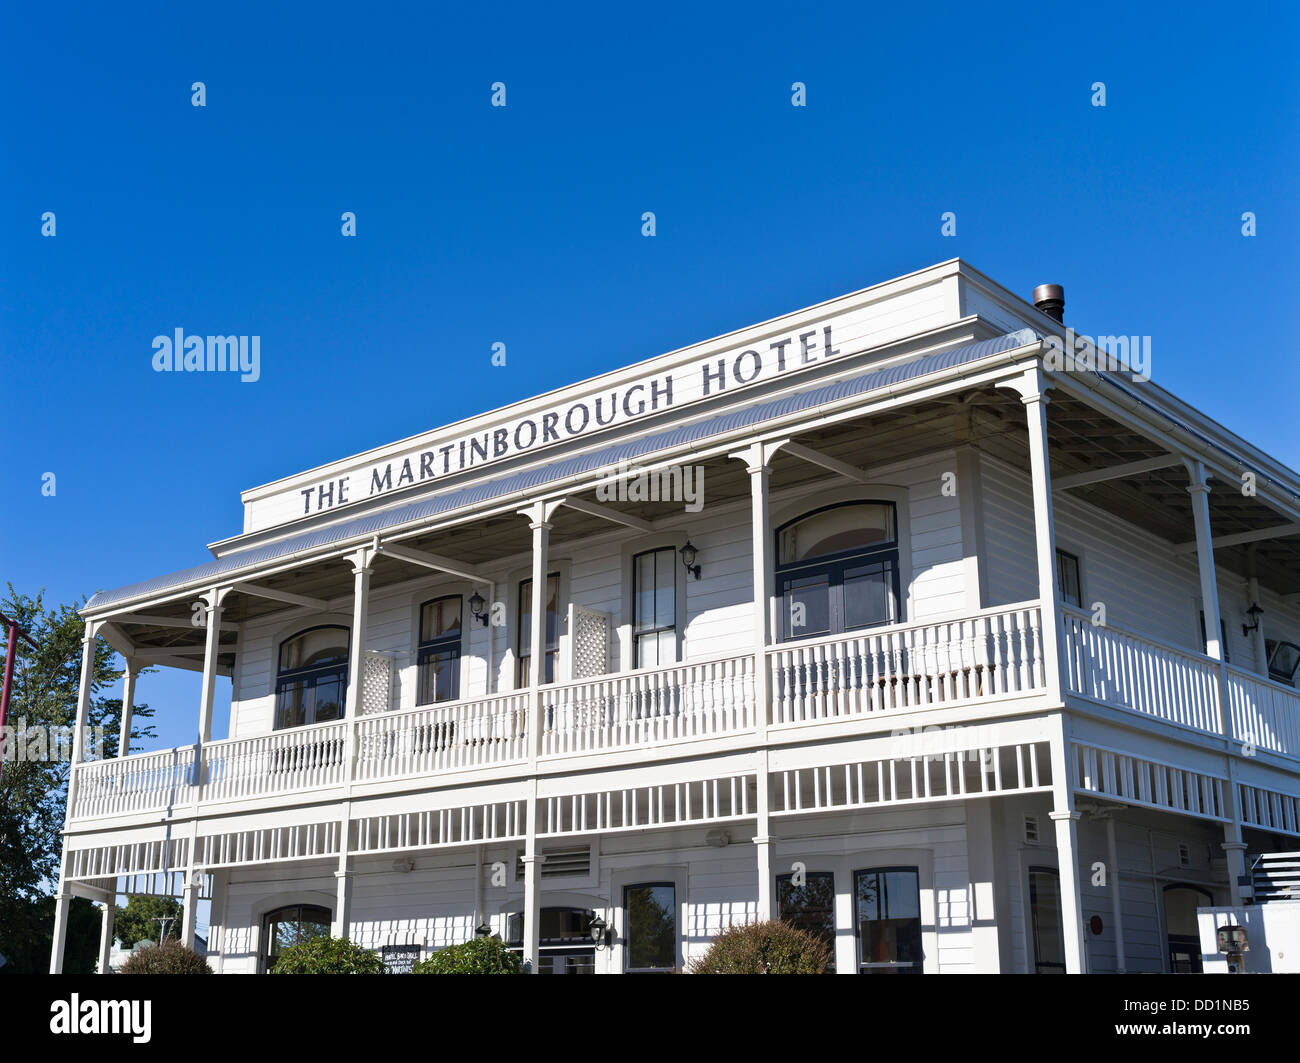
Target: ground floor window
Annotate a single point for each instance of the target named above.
(289, 926)
(651, 935)
(1046, 920)
(809, 904)
(887, 904)
(564, 940)
(1181, 930)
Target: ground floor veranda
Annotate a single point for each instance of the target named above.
(1023, 845)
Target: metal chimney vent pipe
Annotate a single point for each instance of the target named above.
(1050, 299)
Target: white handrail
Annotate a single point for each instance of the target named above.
(993, 653)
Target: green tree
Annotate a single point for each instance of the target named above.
(34, 783)
(138, 921)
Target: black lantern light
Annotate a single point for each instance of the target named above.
(1253, 613)
(483, 931)
(598, 929)
(689, 554)
(477, 606)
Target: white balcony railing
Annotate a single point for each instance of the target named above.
(1264, 714)
(1153, 678)
(462, 734)
(992, 654)
(1124, 669)
(300, 758)
(137, 783)
(647, 707)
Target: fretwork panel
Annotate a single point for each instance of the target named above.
(294, 842)
(958, 774)
(1268, 809)
(467, 824)
(1149, 783)
(662, 805)
(110, 861)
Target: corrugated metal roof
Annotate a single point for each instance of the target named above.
(374, 523)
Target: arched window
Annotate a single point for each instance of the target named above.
(289, 926)
(1182, 934)
(312, 681)
(837, 570)
(439, 653)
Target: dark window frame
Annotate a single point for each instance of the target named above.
(1279, 676)
(1174, 941)
(834, 567)
(639, 633)
(552, 652)
(264, 946)
(911, 968)
(1074, 559)
(1054, 966)
(808, 875)
(627, 930)
(311, 675)
(1223, 638)
(427, 648)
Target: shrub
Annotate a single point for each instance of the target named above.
(488, 955)
(169, 957)
(764, 948)
(327, 955)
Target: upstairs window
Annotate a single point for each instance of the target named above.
(837, 570)
(312, 681)
(439, 652)
(1067, 578)
(550, 629)
(1283, 661)
(654, 597)
(1223, 639)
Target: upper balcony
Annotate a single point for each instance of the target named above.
(880, 679)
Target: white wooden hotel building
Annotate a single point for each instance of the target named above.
(964, 672)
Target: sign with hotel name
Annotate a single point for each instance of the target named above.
(624, 403)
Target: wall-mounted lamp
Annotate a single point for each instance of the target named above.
(483, 931)
(1232, 939)
(689, 554)
(1253, 613)
(478, 607)
(599, 931)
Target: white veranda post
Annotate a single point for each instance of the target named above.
(1032, 388)
(757, 458)
(64, 897)
(1199, 488)
(539, 523)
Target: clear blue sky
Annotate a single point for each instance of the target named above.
(522, 225)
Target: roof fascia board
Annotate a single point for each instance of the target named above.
(930, 275)
(954, 378)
